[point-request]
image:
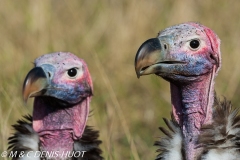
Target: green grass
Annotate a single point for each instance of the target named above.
(107, 34)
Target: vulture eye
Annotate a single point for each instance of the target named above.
(72, 72)
(194, 44)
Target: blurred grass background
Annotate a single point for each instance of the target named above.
(107, 34)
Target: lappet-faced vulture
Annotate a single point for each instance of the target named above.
(62, 89)
(202, 127)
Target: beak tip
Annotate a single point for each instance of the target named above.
(137, 70)
(138, 74)
(25, 100)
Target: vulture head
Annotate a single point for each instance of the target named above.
(188, 56)
(62, 88)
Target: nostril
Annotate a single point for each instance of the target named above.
(49, 74)
(165, 46)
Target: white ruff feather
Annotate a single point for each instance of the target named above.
(171, 144)
(221, 154)
(30, 141)
(175, 147)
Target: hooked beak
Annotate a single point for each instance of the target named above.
(148, 54)
(35, 83)
(151, 58)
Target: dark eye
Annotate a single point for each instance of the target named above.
(72, 72)
(194, 44)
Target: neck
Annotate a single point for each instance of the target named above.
(57, 126)
(62, 142)
(192, 107)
